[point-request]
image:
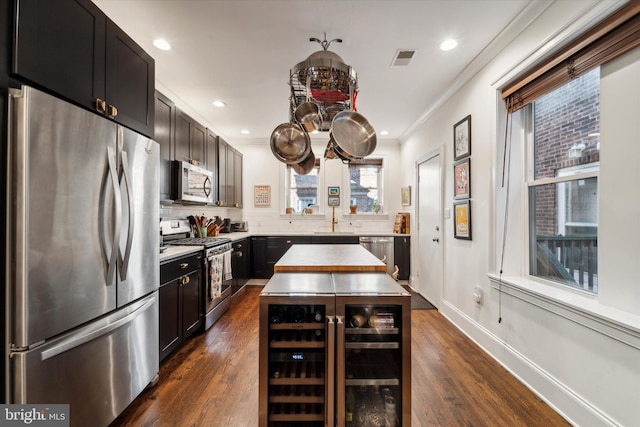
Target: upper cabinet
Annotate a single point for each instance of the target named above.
(229, 175)
(71, 48)
(164, 130)
(190, 139)
(211, 152)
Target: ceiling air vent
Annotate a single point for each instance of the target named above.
(403, 57)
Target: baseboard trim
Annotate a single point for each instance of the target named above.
(570, 405)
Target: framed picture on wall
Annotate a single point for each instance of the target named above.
(462, 179)
(462, 138)
(462, 219)
(405, 195)
(262, 195)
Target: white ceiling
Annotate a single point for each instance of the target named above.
(241, 51)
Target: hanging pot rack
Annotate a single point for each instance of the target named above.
(323, 87)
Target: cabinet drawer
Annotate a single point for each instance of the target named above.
(179, 267)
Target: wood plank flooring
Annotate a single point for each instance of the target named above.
(212, 380)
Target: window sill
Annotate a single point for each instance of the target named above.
(577, 306)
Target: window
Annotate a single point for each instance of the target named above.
(365, 182)
(563, 185)
(302, 190)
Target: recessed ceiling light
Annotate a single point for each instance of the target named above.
(384, 132)
(448, 44)
(219, 103)
(245, 131)
(162, 44)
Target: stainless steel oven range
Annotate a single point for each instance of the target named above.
(217, 266)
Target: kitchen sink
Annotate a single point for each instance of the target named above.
(333, 232)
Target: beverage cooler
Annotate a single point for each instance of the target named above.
(335, 350)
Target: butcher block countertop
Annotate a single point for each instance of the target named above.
(321, 258)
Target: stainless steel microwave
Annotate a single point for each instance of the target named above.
(191, 183)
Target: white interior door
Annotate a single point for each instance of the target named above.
(429, 280)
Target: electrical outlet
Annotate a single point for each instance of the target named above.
(477, 295)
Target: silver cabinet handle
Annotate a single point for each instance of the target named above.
(184, 265)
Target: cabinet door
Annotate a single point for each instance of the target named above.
(197, 143)
(170, 317)
(259, 257)
(237, 178)
(223, 185)
(60, 46)
(402, 256)
(191, 304)
(240, 263)
(164, 128)
(211, 155)
(130, 81)
(231, 189)
(277, 246)
(183, 136)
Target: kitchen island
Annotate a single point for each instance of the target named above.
(329, 258)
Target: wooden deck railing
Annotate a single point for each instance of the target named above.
(575, 255)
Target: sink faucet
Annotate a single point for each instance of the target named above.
(334, 221)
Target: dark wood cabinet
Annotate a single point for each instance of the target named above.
(181, 305)
(229, 175)
(259, 257)
(211, 155)
(190, 139)
(277, 246)
(402, 256)
(335, 240)
(237, 179)
(223, 177)
(240, 263)
(71, 48)
(164, 130)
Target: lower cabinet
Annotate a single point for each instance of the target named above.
(240, 264)
(277, 246)
(267, 250)
(402, 256)
(180, 301)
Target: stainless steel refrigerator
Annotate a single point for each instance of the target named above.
(82, 259)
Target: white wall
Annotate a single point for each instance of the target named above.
(577, 351)
(262, 168)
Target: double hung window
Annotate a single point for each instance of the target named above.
(365, 182)
(564, 159)
(302, 190)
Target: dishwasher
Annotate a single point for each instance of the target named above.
(381, 247)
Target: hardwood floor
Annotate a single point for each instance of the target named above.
(212, 380)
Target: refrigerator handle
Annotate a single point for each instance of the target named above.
(330, 375)
(123, 261)
(340, 373)
(113, 259)
(109, 326)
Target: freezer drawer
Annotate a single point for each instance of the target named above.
(98, 369)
